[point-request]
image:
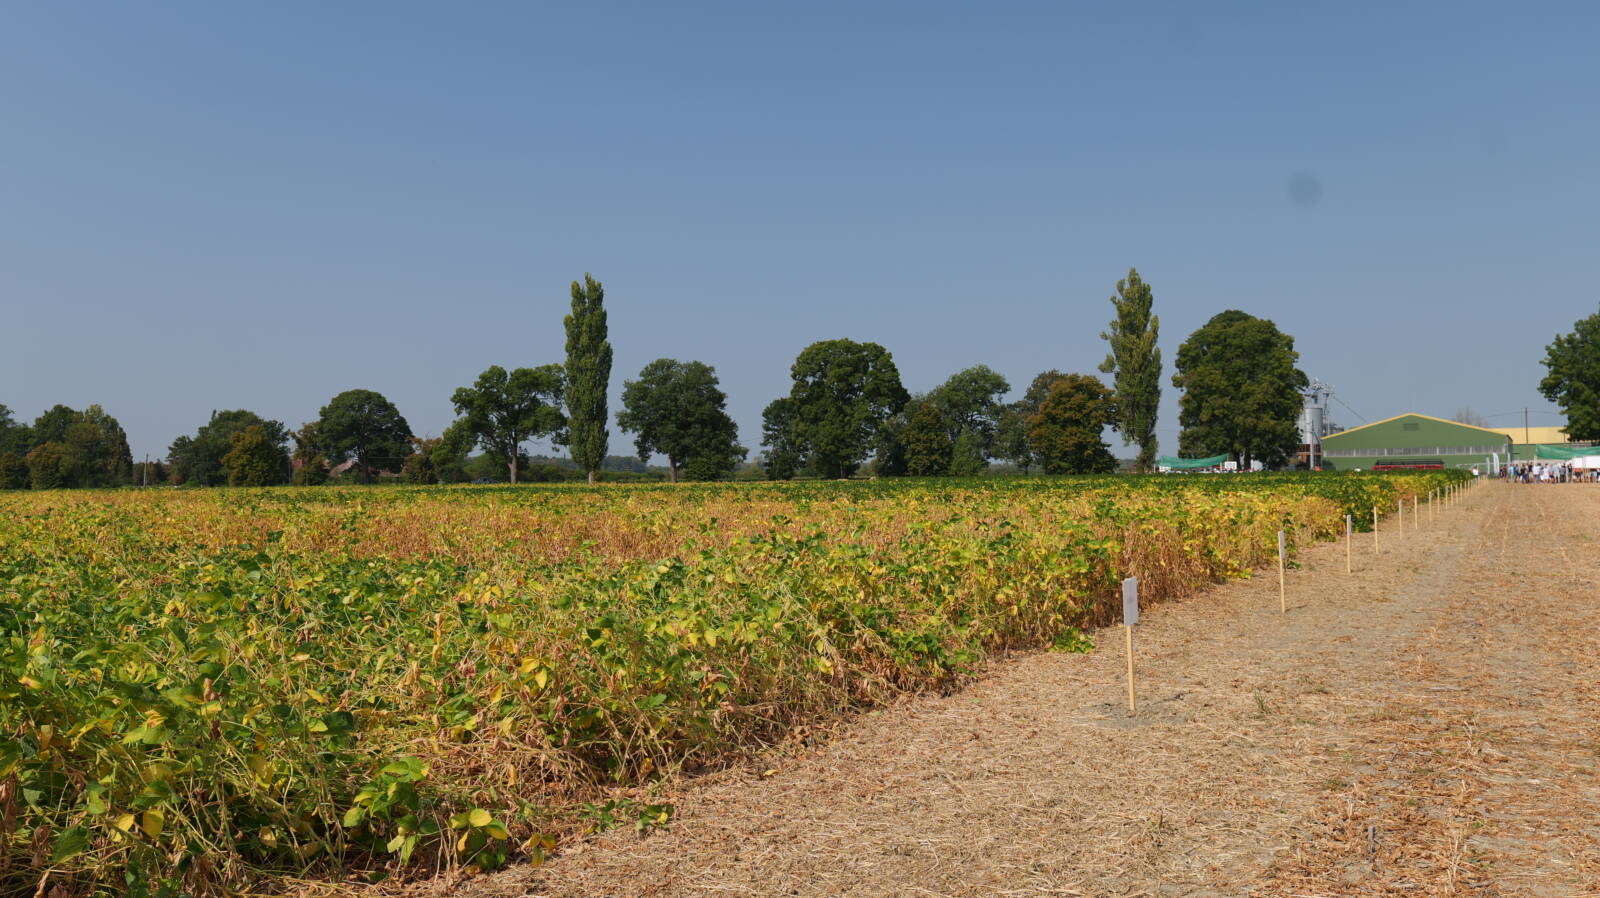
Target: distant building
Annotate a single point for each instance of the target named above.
(1525, 441)
(1413, 441)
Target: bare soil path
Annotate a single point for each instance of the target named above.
(1428, 725)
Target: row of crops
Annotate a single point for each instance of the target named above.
(204, 690)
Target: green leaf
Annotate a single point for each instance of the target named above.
(479, 818)
(70, 843)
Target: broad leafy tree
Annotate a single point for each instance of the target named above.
(588, 375)
(1135, 363)
(1011, 429)
(363, 425)
(253, 458)
(13, 471)
(95, 451)
(197, 460)
(310, 462)
(1039, 389)
(442, 459)
(46, 467)
(923, 435)
(969, 456)
(51, 427)
(83, 449)
(971, 401)
(679, 410)
(843, 392)
(15, 437)
(503, 410)
(1065, 431)
(1573, 383)
(1241, 390)
(784, 456)
(1011, 436)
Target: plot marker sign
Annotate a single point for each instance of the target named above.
(1349, 540)
(1130, 616)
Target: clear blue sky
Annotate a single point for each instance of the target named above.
(211, 206)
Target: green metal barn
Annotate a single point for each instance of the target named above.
(1413, 441)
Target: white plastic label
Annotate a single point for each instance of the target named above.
(1130, 601)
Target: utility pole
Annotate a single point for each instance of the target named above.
(1525, 438)
(146, 469)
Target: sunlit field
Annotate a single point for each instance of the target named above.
(209, 688)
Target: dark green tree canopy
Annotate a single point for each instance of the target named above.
(503, 410)
(971, 401)
(588, 375)
(253, 459)
(13, 471)
(15, 437)
(51, 427)
(46, 467)
(1065, 431)
(1573, 383)
(784, 456)
(1039, 390)
(441, 459)
(1011, 432)
(1135, 361)
(197, 460)
(83, 449)
(1011, 435)
(843, 392)
(968, 457)
(363, 425)
(923, 433)
(1241, 390)
(95, 451)
(679, 410)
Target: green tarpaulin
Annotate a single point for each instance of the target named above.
(1546, 451)
(1167, 461)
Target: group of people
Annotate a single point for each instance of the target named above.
(1550, 472)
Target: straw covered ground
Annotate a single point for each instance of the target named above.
(1424, 726)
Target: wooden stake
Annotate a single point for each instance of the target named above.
(1400, 515)
(1416, 522)
(1283, 601)
(1374, 530)
(1129, 631)
(1349, 542)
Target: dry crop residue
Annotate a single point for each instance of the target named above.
(1424, 726)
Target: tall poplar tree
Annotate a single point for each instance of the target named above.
(588, 374)
(1135, 363)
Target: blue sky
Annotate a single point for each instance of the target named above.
(211, 206)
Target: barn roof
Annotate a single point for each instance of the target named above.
(1498, 435)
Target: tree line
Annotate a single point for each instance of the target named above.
(847, 412)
